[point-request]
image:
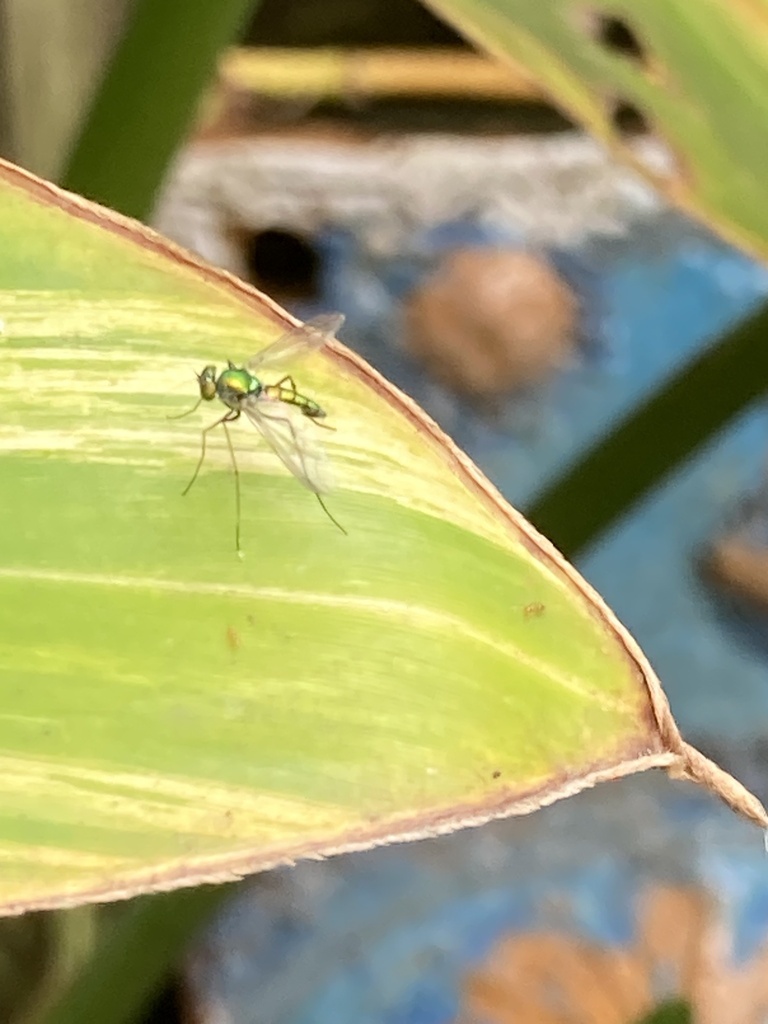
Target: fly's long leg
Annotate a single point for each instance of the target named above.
(237, 481)
(335, 521)
(230, 417)
(289, 380)
(297, 445)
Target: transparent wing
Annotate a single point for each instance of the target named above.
(288, 432)
(298, 342)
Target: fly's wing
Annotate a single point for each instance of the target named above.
(298, 342)
(287, 431)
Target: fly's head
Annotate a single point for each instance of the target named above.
(207, 383)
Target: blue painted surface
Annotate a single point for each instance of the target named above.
(651, 302)
(388, 937)
(714, 670)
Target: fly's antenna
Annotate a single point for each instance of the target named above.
(189, 412)
(335, 522)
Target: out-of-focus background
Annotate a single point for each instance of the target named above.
(533, 295)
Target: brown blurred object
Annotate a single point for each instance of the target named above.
(490, 322)
(681, 951)
(740, 567)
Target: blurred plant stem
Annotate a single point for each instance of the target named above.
(146, 103)
(655, 438)
(72, 943)
(136, 953)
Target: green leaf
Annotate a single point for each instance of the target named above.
(174, 714)
(675, 1011)
(701, 83)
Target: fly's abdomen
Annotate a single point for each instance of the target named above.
(308, 406)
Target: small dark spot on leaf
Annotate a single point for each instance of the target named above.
(534, 610)
(233, 638)
(496, 774)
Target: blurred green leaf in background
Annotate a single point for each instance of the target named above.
(698, 76)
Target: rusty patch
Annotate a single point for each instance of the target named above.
(534, 610)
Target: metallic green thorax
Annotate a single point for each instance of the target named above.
(235, 384)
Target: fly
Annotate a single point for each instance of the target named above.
(279, 411)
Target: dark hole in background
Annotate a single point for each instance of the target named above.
(628, 120)
(348, 23)
(165, 1008)
(382, 23)
(282, 264)
(367, 118)
(470, 117)
(617, 35)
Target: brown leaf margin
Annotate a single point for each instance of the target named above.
(661, 747)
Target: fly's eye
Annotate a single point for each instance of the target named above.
(207, 382)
